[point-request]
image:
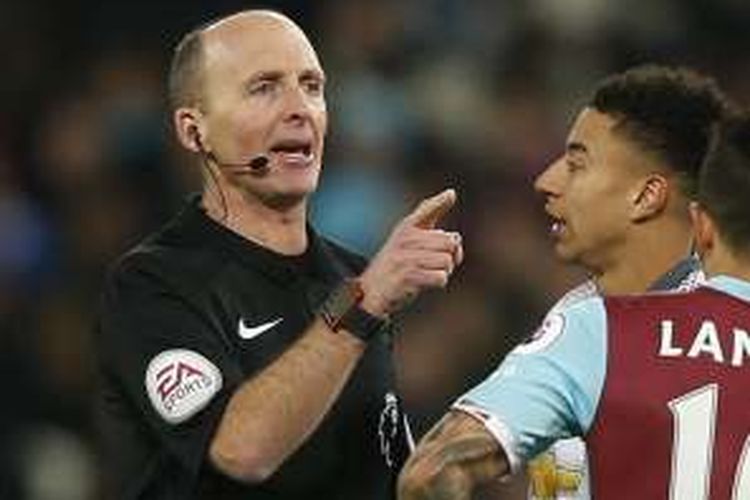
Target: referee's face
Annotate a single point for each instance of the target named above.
(590, 192)
(264, 95)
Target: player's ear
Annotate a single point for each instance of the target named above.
(188, 127)
(650, 198)
(704, 229)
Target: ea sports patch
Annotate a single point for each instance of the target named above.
(550, 329)
(180, 383)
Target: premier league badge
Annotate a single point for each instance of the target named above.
(388, 427)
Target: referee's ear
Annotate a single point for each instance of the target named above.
(188, 127)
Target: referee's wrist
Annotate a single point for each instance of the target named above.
(343, 310)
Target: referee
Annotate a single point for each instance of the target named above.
(242, 355)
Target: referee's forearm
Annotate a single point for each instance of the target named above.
(274, 412)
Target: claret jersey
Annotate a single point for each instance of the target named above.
(189, 315)
(657, 385)
(561, 472)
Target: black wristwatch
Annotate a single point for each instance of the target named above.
(341, 310)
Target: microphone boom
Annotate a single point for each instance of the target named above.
(258, 164)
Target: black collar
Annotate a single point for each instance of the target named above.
(318, 262)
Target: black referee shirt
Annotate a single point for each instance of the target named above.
(190, 314)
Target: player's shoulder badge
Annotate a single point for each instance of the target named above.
(180, 382)
(549, 331)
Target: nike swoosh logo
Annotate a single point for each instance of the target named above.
(250, 332)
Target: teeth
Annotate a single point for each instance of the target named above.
(296, 156)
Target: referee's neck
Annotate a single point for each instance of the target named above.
(282, 229)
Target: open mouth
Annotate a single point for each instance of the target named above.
(557, 225)
(293, 150)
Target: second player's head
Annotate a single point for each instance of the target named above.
(721, 215)
(632, 157)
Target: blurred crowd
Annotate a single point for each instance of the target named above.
(423, 94)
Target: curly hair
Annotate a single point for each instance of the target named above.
(667, 111)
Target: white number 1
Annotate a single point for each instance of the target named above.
(694, 416)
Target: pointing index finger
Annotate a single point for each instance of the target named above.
(429, 212)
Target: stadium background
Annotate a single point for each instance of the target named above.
(423, 94)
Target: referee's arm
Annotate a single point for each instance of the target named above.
(270, 415)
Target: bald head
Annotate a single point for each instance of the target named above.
(199, 48)
(251, 19)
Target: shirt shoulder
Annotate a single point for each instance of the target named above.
(165, 262)
(353, 261)
(566, 327)
(585, 290)
(549, 387)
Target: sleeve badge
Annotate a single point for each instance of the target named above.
(549, 331)
(180, 383)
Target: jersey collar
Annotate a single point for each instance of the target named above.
(316, 263)
(729, 284)
(677, 275)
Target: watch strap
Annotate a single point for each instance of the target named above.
(342, 311)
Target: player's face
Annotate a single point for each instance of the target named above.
(264, 94)
(589, 191)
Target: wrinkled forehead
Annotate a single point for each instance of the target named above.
(256, 40)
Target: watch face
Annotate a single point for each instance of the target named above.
(340, 302)
(342, 311)
(343, 299)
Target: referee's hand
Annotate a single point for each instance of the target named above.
(416, 255)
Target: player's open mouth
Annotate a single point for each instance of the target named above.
(557, 225)
(293, 151)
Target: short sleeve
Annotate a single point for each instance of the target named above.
(164, 363)
(547, 388)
